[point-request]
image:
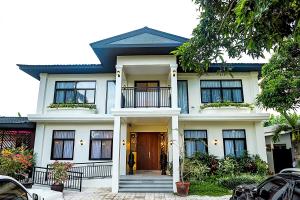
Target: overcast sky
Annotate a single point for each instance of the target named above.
(59, 32)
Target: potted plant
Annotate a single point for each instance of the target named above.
(59, 174)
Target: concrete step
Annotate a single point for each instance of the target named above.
(145, 182)
(144, 190)
(146, 186)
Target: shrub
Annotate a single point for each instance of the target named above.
(227, 166)
(194, 169)
(210, 161)
(16, 161)
(232, 181)
(262, 166)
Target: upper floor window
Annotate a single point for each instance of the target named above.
(195, 141)
(75, 92)
(110, 95)
(183, 100)
(221, 91)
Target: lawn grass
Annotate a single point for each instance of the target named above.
(208, 189)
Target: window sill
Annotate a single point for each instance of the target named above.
(77, 110)
(225, 109)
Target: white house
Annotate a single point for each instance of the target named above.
(139, 100)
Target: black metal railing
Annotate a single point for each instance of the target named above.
(143, 97)
(43, 176)
(93, 169)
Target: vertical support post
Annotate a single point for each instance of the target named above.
(39, 144)
(260, 141)
(173, 75)
(118, 95)
(116, 154)
(42, 92)
(123, 149)
(176, 151)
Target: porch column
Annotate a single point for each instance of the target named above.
(39, 144)
(116, 154)
(173, 75)
(260, 141)
(123, 149)
(176, 151)
(118, 96)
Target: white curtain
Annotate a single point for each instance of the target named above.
(110, 99)
(229, 147)
(182, 88)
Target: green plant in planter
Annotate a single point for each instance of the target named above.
(227, 104)
(72, 105)
(59, 172)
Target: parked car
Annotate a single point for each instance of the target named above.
(282, 186)
(11, 189)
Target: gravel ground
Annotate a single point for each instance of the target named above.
(102, 193)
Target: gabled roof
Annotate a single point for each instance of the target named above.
(144, 41)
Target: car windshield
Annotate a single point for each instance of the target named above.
(9, 190)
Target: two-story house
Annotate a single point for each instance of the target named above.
(139, 101)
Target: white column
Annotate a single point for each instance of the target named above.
(42, 93)
(173, 75)
(123, 149)
(39, 144)
(176, 151)
(116, 154)
(119, 74)
(260, 141)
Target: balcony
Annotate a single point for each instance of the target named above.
(146, 97)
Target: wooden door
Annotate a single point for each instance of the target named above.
(148, 151)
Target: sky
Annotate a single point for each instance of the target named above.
(60, 31)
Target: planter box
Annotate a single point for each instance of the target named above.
(225, 109)
(72, 110)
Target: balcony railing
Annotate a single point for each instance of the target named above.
(144, 97)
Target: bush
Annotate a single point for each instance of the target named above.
(227, 166)
(59, 171)
(194, 169)
(262, 166)
(210, 161)
(232, 181)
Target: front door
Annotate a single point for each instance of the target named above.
(148, 151)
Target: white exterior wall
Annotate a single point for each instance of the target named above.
(43, 141)
(214, 132)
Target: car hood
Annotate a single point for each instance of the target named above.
(46, 194)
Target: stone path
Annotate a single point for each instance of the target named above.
(103, 193)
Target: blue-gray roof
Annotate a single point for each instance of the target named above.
(16, 122)
(144, 41)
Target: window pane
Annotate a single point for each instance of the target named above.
(216, 95)
(70, 96)
(102, 134)
(237, 95)
(240, 147)
(110, 99)
(205, 94)
(96, 149)
(57, 149)
(229, 147)
(195, 134)
(86, 85)
(106, 148)
(11, 191)
(90, 94)
(231, 84)
(234, 134)
(60, 96)
(68, 149)
(227, 95)
(201, 146)
(80, 96)
(190, 147)
(182, 88)
(65, 85)
(64, 134)
(210, 84)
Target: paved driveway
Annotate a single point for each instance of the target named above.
(101, 193)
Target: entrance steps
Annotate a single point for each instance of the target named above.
(135, 183)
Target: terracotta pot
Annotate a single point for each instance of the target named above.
(183, 188)
(57, 187)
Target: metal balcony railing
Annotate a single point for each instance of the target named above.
(145, 97)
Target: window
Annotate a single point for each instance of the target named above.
(75, 92)
(182, 87)
(195, 141)
(110, 96)
(9, 190)
(234, 142)
(101, 145)
(221, 91)
(62, 145)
